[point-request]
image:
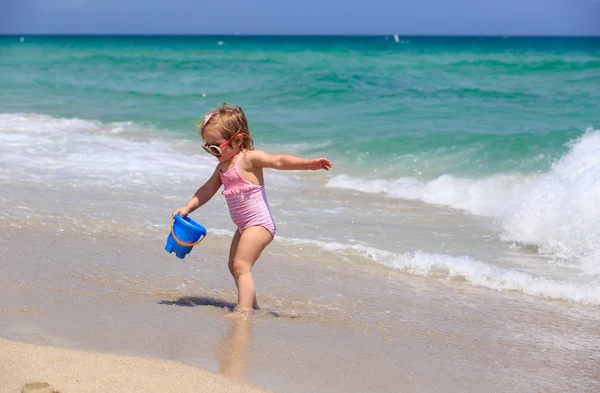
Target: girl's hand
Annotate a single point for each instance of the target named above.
(182, 211)
(319, 163)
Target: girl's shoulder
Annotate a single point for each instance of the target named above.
(250, 154)
(251, 157)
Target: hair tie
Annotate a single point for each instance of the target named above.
(208, 117)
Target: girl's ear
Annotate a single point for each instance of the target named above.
(239, 138)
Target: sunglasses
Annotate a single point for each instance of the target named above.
(217, 150)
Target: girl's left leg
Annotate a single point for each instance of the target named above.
(250, 245)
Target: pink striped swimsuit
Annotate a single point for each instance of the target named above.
(247, 202)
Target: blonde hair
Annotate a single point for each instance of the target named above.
(228, 121)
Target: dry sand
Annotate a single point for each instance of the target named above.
(87, 372)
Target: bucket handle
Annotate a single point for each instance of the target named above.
(179, 241)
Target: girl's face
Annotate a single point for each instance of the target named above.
(215, 143)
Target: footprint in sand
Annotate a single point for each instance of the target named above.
(38, 387)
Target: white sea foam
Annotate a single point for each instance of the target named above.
(36, 123)
(486, 197)
(558, 211)
(89, 153)
(461, 268)
(475, 272)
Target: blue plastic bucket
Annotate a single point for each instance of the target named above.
(185, 234)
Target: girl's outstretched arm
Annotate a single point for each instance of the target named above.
(203, 195)
(261, 159)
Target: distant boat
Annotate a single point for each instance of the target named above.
(22, 39)
(396, 38)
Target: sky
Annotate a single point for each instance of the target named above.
(414, 17)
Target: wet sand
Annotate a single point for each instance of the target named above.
(320, 329)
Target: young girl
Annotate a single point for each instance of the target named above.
(240, 169)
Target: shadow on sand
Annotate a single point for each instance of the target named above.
(192, 301)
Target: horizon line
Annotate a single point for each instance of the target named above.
(300, 35)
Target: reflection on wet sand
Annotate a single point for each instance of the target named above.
(234, 359)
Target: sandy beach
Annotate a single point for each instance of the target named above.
(98, 295)
(77, 371)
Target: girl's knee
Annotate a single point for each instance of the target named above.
(240, 267)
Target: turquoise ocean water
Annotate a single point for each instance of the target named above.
(454, 158)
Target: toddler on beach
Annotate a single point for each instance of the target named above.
(240, 170)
